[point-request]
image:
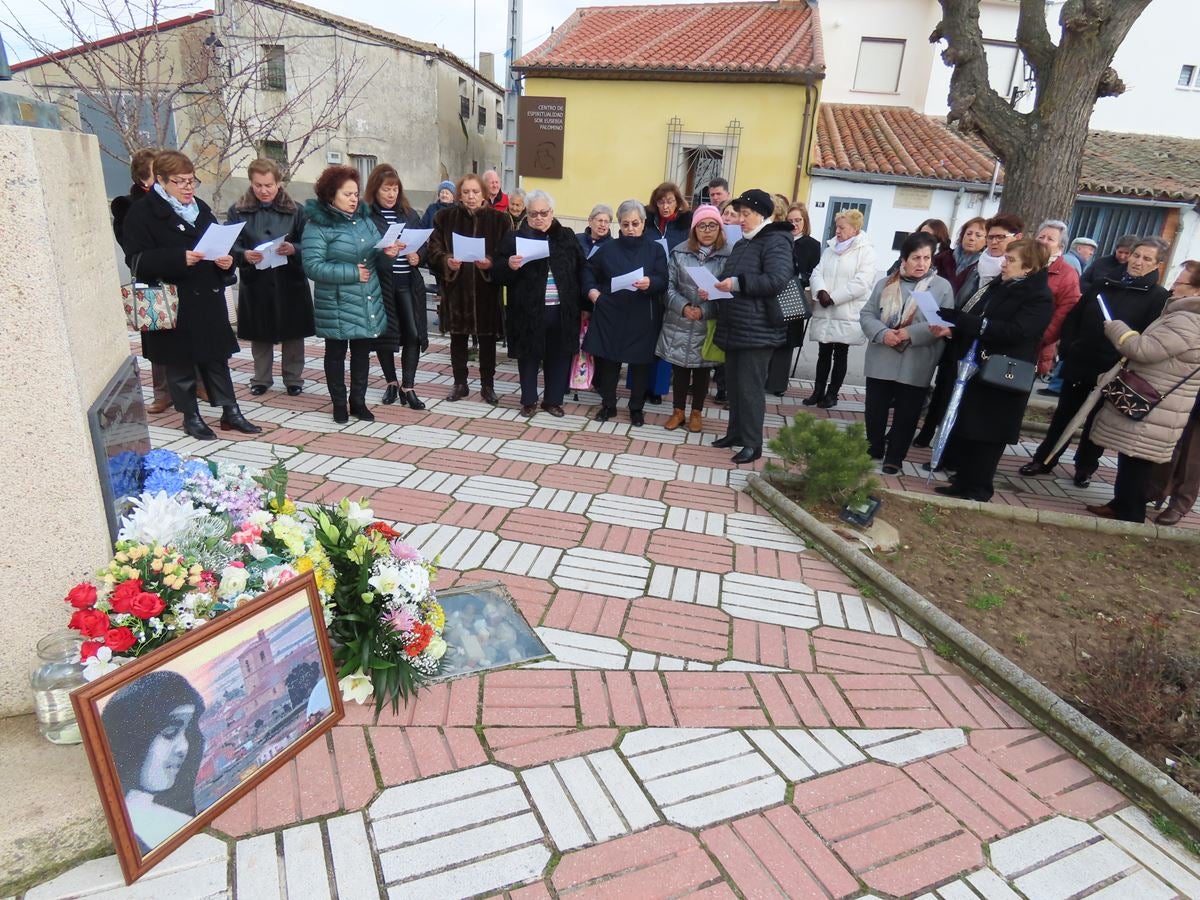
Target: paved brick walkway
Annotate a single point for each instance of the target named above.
(724, 714)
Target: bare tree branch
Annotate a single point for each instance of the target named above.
(1033, 37)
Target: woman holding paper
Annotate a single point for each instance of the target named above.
(341, 257)
(598, 231)
(403, 289)
(160, 234)
(274, 301)
(541, 265)
(470, 297)
(902, 350)
(625, 280)
(687, 317)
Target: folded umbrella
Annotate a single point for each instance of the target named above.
(1084, 411)
(967, 367)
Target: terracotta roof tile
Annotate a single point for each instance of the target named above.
(896, 140)
(779, 39)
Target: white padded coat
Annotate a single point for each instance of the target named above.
(848, 278)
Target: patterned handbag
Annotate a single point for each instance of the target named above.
(582, 367)
(149, 307)
(1134, 397)
(792, 302)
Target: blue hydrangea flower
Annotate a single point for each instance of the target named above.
(161, 459)
(125, 473)
(195, 468)
(163, 480)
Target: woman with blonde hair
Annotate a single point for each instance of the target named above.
(841, 283)
(274, 304)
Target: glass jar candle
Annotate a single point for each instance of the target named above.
(56, 673)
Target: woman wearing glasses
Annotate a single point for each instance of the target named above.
(159, 234)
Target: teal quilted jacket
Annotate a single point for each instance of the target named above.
(345, 309)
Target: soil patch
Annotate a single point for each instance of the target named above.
(1054, 600)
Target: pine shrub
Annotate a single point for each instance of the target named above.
(832, 463)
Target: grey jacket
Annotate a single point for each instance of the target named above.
(681, 338)
(914, 364)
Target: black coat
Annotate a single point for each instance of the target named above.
(120, 208)
(589, 244)
(525, 311)
(1086, 352)
(1017, 314)
(432, 210)
(806, 254)
(676, 231)
(155, 240)
(1103, 269)
(763, 264)
(273, 304)
(403, 295)
(624, 326)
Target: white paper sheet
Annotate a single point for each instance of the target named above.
(468, 249)
(625, 282)
(390, 236)
(928, 305)
(414, 239)
(530, 249)
(272, 258)
(218, 240)
(1104, 308)
(733, 233)
(662, 242)
(707, 280)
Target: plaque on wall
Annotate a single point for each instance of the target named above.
(541, 133)
(120, 438)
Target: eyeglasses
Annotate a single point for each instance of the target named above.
(539, 213)
(184, 182)
(1000, 237)
(708, 226)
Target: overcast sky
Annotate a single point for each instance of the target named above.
(444, 22)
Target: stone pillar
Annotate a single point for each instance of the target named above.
(64, 337)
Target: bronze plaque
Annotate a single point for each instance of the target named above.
(541, 130)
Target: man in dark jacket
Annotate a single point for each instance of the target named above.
(1134, 296)
(750, 324)
(1111, 266)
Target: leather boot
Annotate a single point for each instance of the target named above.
(196, 426)
(695, 422)
(161, 404)
(1170, 516)
(391, 393)
(233, 420)
(488, 394)
(410, 399)
(341, 415)
(458, 392)
(677, 419)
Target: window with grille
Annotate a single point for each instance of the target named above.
(838, 205)
(482, 118)
(274, 72)
(879, 62)
(274, 150)
(464, 107)
(499, 115)
(1187, 77)
(364, 165)
(694, 158)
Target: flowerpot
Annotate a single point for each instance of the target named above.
(56, 673)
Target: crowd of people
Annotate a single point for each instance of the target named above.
(623, 291)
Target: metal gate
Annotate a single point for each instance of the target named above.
(1104, 223)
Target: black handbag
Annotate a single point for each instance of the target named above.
(792, 303)
(1006, 373)
(1134, 397)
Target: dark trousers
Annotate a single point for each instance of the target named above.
(409, 354)
(904, 401)
(291, 355)
(745, 375)
(555, 364)
(779, 370)
(1131, 488)
(608, 376)
(1087, 455)
(718, 377)
(1179, 479)
(939, 400)
(976, 462)
(487, 358)
(181, 382)
(360, 369)
(831, 368)
(686, 381)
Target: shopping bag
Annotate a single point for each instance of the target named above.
(582, 367)
(709, 350)
(149, 307)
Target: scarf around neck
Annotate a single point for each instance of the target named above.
(895, 310)
(964, 260)
(840, 247)
(988, 267)
(188, 213)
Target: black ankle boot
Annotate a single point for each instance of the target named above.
(815, 397)
(358, 409)
(391, 393)
(233, 420)
(196, 426)
(411, 400)
(340, 414)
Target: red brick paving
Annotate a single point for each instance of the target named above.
(772, 645)
(526, 747)
(692, 551)
(406, 754)
(623, 698)
(707, 699)
(575, 478)
(529, 697)
(588, 613)
(659, 863)
(842, 650)
(617, 539)
(678, 629)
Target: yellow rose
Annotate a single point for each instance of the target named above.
(156, 565)
(122, 557)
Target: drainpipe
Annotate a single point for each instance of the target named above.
(995, 181)
(805, 134)
(958, 199)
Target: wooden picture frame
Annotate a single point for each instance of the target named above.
(201, 721)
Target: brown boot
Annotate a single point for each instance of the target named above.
(160, 405)
(675, 421)
(695, 421)
(1170, 516)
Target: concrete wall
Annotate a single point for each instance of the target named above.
(64, 338)
(616, 135)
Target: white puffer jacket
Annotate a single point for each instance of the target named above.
(848, 278)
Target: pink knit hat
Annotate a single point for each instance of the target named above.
(707, 211)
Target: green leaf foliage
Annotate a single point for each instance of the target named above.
(832, 462)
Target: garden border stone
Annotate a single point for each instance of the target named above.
(1107, 756)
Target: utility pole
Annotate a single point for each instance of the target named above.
(512, 91)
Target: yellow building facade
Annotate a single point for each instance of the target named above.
(677, 93)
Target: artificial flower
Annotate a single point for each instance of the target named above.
(233, 582)
(356, 686)
(124, 594)
(82, 596)
(358, 516)
(437, 648)
(99, 663)
(119, 639)
(147, 605)
(90, 623)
